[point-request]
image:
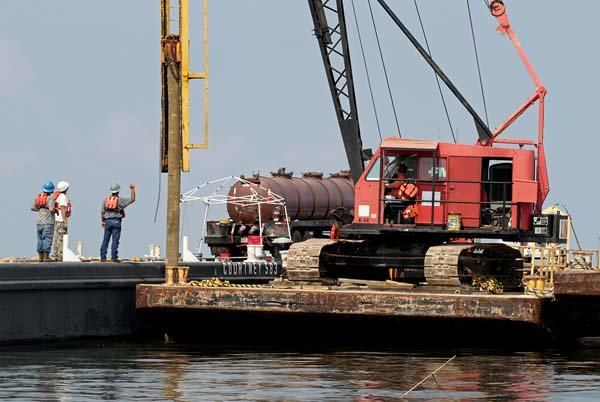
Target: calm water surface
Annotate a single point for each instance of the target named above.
(156, 372)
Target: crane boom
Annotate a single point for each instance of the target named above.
(333, 43)
(498, 10)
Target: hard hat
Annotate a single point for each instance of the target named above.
(48, 187)
(62, 186)
(115, 188)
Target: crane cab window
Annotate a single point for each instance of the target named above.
(393, 161)
(373, 174)
(427, 171)
(400, 190)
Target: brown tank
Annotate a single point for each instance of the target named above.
(311, 197)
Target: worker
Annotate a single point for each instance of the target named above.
(44, 206)
(63, 212)
(112, 213)
(406, 192)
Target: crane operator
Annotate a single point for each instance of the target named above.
(406, 193)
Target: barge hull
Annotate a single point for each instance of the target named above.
(41, 302)
(577, 282)
(519, 308)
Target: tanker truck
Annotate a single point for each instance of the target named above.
(309, 201)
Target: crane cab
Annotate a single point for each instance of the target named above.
(490, 189)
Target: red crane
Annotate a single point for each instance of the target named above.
(429, 210)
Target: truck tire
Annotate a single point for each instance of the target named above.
(296, 236)
(307, 235)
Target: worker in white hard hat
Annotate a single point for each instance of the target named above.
(63, 212)
(112, 213)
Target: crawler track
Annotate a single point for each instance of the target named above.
(446, 265)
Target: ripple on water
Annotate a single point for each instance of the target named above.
(129, 372)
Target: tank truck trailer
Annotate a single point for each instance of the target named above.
(309, 201)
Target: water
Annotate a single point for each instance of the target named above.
(156, 372)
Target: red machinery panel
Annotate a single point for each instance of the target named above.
(464, 189)
(432, 191)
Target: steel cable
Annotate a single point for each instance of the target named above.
(158, 196)
(384, 69)
(362, 50)
(437, 79)
(477, 59)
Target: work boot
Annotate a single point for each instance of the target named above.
(41, 256)
(46, 256)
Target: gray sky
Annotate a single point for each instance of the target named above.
(79, 85)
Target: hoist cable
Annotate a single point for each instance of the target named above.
(362, 50)
(183, 220)
(437, 79)
(384, 69)
(487, 121)
(158, 196)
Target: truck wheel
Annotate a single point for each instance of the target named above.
(307, 235)
(296, 236)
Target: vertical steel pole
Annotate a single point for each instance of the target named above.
(174, 173)
(206, 73)
(172, 80)
(184, 38)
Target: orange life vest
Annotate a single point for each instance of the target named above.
(410, 212)
(68, 213)
(408, 190)
(41, 200)
(111, 202)
(405, 191)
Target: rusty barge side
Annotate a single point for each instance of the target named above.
(317, 316)
(517, 319)
(517, 307)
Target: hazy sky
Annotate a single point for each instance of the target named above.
(80, 89)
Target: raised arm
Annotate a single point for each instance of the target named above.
(132, 188)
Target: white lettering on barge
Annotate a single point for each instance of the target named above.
(231, 268)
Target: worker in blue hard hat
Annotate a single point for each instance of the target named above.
(112, 213)
(44, 206)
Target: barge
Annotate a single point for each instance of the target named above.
(557, 309)
(44, 302)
